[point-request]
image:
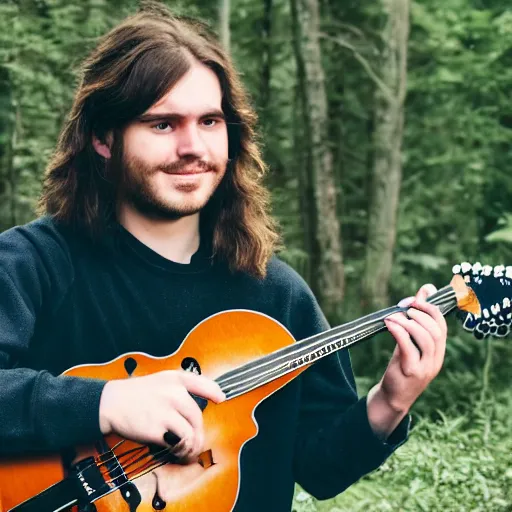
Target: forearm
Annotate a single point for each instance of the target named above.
(341, 451)
(383, 416)
(41, 412)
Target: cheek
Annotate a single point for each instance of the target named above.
(151, 149)
(220, 146)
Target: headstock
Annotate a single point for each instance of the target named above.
(493, 288)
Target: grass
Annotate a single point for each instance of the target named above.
(459, 463)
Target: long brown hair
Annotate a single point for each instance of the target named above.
(134, 66)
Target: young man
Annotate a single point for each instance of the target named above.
(156, 218)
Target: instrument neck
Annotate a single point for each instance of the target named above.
(306, 352)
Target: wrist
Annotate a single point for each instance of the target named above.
(384, 414)
(104, 419)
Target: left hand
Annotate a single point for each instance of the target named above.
(411, 367)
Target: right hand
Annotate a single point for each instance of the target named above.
(144, 408)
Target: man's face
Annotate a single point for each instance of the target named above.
(175, 154)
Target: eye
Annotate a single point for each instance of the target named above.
(210, 122)
(162, 126)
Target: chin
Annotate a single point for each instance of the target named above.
(176, 210)
(185, 201)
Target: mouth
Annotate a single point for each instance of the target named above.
(188, 171)
(192, 171)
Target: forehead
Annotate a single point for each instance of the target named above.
(196, 91)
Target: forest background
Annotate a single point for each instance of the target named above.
(386, 125)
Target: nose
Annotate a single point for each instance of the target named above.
(190, 142)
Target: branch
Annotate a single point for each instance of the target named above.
(366, 65)
(351, 28)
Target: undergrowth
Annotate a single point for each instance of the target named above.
(459, 462)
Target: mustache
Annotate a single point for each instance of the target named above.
(185, 166)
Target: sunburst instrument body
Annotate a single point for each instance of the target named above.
(250, 356)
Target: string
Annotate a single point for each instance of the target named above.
(444, 298)
(319, 339)
(359, 329)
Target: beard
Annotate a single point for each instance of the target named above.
(138, 187)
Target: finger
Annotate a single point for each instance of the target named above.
(427, 322)
(191, 451)
(435, 313)
(180, 427)
(406, 302)
(188, 408)
(199, 447)
(202, 386)
(425, 291)
(422, 337)
(409, 355)
(195, 449)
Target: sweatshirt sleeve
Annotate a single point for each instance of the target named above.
(335, 444)
(38, 411)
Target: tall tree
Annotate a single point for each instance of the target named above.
(327, 272)
(390, 95)
(224, 30)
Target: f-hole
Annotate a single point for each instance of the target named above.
(129, 365)
(189, 364)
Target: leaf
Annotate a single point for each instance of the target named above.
(504, 234)
(447, 75)
(425, 261)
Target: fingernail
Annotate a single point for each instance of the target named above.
(431, 289)
(406, 302)
(171, 438)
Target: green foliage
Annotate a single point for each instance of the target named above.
(456, 188)
(452, 464)
(504, 234)
(41, 45)
(455, 198)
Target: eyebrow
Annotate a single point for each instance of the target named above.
(148, 118)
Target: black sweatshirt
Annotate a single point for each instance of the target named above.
(66, 301)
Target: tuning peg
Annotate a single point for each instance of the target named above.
(465, 267)
(477, 268)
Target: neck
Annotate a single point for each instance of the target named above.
(176, 240)
(298, 356)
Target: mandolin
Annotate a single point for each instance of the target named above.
(252, 358)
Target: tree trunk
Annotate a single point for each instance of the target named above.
(224, 15)
(8, 178)
(266, 64)
(11, 171)
(387, 144)
(326, 248)
(305, 187)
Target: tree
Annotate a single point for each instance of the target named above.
(320, 192)
(390, 95)
(224, 31)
